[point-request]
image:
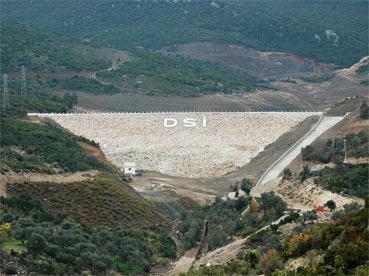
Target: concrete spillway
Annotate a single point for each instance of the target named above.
(267, 181)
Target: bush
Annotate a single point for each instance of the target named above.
(36, 244)
(305, 174)
(246, 185)
(331, 205)
(273, 205)
(309, 216)
(287, 174)
(7, 218)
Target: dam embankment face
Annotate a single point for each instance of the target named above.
(187, 144)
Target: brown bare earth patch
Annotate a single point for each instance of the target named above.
(310, 195)
(356, 127)
(97, 153)
(289, 96)
(2, 187)
(358, 160)
(260, 64)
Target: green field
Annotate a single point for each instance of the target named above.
(12, 244)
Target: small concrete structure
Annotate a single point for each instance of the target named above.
(129, 168)
(232, 195)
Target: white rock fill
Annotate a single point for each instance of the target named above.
(228, 141)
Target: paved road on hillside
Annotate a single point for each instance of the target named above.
(277, 168)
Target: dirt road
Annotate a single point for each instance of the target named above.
(220, 255)
(39, 177)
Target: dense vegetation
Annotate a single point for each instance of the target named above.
(159, 74)
(224, 220)
(344, 244)
(350, 179)
(34, 241)
(99, 200)
(347, 179)
(329, 31)
(48, 56)
(42, 147)
(332, 150)
(339, 248)
(44, 52)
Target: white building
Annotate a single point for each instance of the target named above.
(129, 168)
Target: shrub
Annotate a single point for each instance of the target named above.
(331, 205)
(36, 244)
(246, 185)
(287, 174)
(305, 174)
(297, 244)
(7, 218)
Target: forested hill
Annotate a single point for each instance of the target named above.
(44, 51)
(54, 62)
(329, 31)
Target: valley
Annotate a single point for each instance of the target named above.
(183, 137)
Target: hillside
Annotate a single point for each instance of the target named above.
(42, 147)
(34, 241)
(100, 200)
(57, 63)
(302, 248)
(329, 31)
(46, 52)
(64, 208)
(157, 74)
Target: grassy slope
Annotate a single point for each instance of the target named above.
(105, 200)
(266, 25)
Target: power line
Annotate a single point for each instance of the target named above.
(24, 82)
